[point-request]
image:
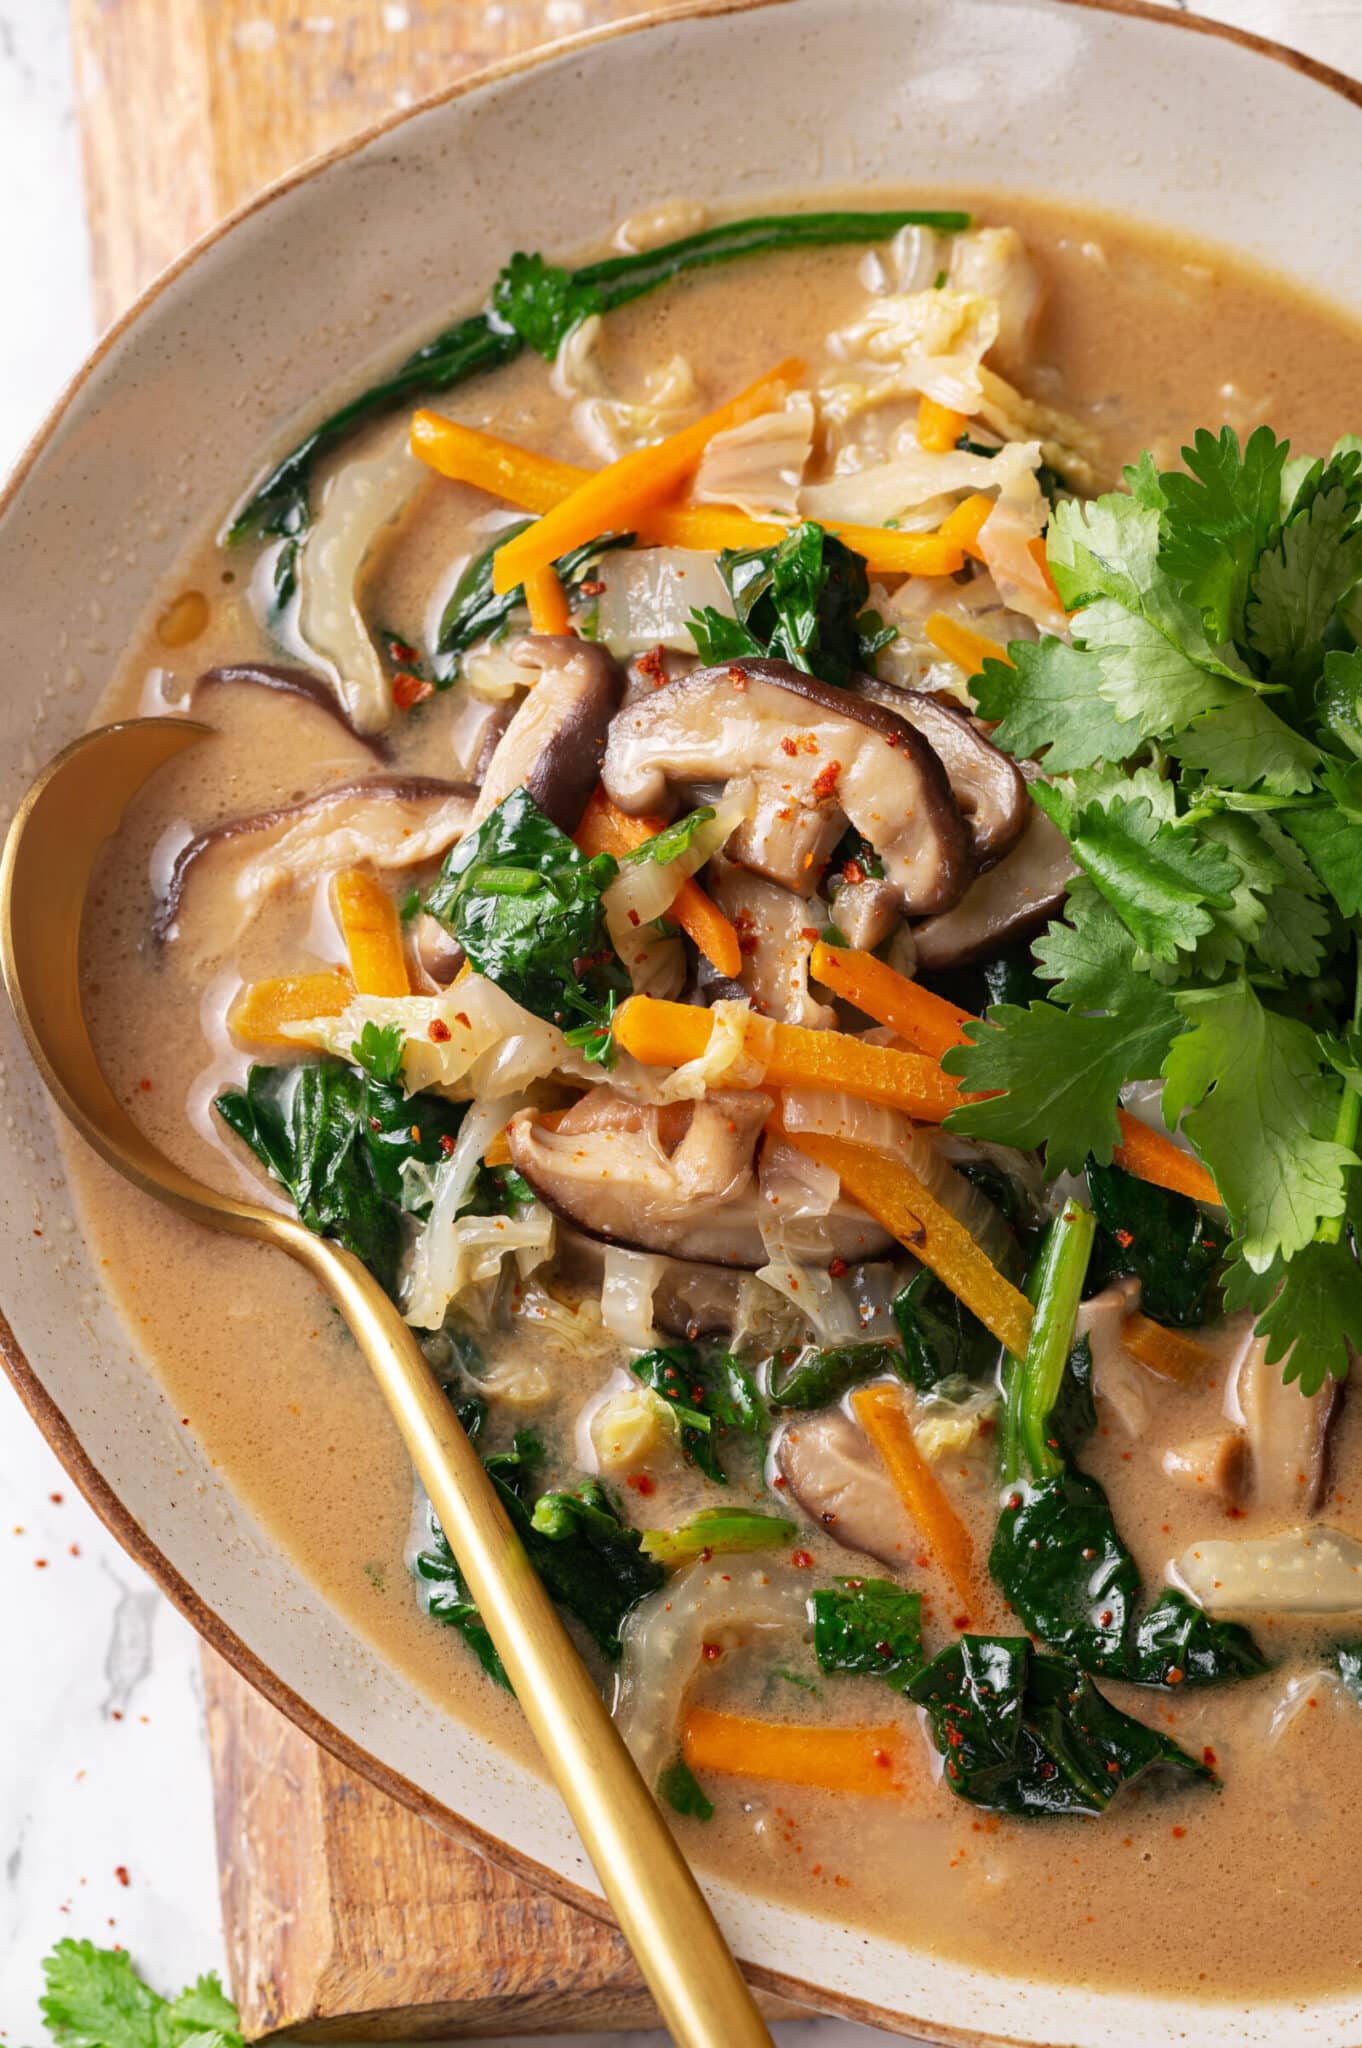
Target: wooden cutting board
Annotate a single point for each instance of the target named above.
(346, 1917)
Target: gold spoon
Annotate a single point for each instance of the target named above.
(72, 809)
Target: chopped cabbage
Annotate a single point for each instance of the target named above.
(611, 425)
(629, 1283)
(759, 465)
(1005, 540)
(731, 1059)
(925, 342)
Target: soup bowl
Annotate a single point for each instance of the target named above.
(344, 266)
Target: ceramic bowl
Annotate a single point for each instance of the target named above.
(344, 266)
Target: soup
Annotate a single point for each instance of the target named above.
(574, 920)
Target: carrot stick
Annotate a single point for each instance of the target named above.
(893, 1194)
(668, 1034)
(938, 427)
(966, 523)
(933, 1024)
(863, 1760)
(373, 936)
(536, 483)
(1036, 549)
(962, 645)
(615, 498)
(1166, 1352)
(262, 1008)
(880, 1411)
(547, 602)
(607, 829)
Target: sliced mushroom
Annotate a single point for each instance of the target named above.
(1218, 1464)
(1012, 901)
(299, 683)
(386, 821)
(817, 756)
(675, 1178)
(986, 783)
(1117, 1380)
(438, 953)
(776, 938)
(654, 669)
(865, 912)
(1287, 1431)
(833, 1474)
(554, 744)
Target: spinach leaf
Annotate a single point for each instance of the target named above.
(1031, 1735)
(1165, 1239)
(800, 601)
(671, 842)
(1346, 1659)
(713, 1395)
(941, 1339)
(871, 1627)
(525, 905)
(1073, 1417)
(448, 1600)
(1178, 1637)
(683, 1792)
(337, 1140)
(1065, 1571)
(475, 611)
(807, 1377)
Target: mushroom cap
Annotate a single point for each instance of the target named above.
(777, 940)
(986, 783)
(554, 744)
(1014, 900)
(287, 681)
(832, 1473)
(817, 757)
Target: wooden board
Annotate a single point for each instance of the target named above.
(346, 1917)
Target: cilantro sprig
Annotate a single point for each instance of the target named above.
(1202, 736)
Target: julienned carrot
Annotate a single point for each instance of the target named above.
(938, 426)
(614, 499)
(962, 645)
(1166, 1352)
(261, 1010)
(864, 1760)
(880, 1410)
(547, 602)
(964, 525)
(1037, 551)
(607, 829)
(668, 1034)
(929, 1021)
(372, 934)
(893, 1194)
(1152, 1157)
(536, 483)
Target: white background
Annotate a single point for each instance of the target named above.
(105, 1800)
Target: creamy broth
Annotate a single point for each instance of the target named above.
(1179, 1888)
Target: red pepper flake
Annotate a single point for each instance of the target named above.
(40, 1564)
(801, 1560)
(1178, 1833)
(145, 1085)
(594, 588)
(1174, 1675)
(737, 677)
(640, 1482)
(56, 1499)
(121, 1873)
(852, 871)
(653, 665)
(825, 782)
(883, 1759)
(446, 1144)
(409, 689)
(438, 1030)
(960, 1621)
(375, 1123)
(780, 1480)
(787, 745)
(461, 1017)
(837, 1268)
(398, 650)
(1125, 1239)
(711, 1652)
(635, 919)
(1208, 1757)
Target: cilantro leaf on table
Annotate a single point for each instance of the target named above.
(1251, 1093)
(1162, 883)
(1219, 517)
(95, 1999)
(1052, 700)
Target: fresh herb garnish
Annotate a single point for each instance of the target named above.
(95, 1999)
(713, 1396)
(683, 1792)
(525, 905)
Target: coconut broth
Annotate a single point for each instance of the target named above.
(1146, 338)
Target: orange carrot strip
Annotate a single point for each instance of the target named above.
(468, 456)
(262, 1008)
(1166, 1352)
(929, 1021)
(1152, 1157)
(892, 1193)
(537, 484)
(1036, 549)
(881, 1413)
(864, 1760)
(962, 645)
(616, 498)
(607, 829)
(668, 1034)
(372, 934)
(547, 602)
(938, 427)
(964, 525)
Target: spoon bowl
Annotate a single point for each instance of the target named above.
(49, 859)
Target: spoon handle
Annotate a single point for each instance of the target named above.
(661, 1910)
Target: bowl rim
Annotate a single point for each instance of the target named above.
(59, 1433)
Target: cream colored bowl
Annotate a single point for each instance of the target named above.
(344, 266)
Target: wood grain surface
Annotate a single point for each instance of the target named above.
(346, 1917)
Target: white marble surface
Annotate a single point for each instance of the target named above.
(105, 1820)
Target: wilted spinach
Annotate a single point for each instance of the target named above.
(802, 601)
(1166, 1240)
(475, 611)
(941, 1339)
(807, 1376)
(868, 1627)
(712, 1394)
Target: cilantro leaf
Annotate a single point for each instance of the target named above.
(1090, 956)
(378, 1049)
(95, 1999)
(1249, 1088)
(1315, 1315)
(1220, 516)
(683, 1792)
(1301, 581)
(1052, 699)
(1338, 698)
(1160, 881)
(542, 302)
(1244, 743)
(1149, 674)
(1331, 840)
